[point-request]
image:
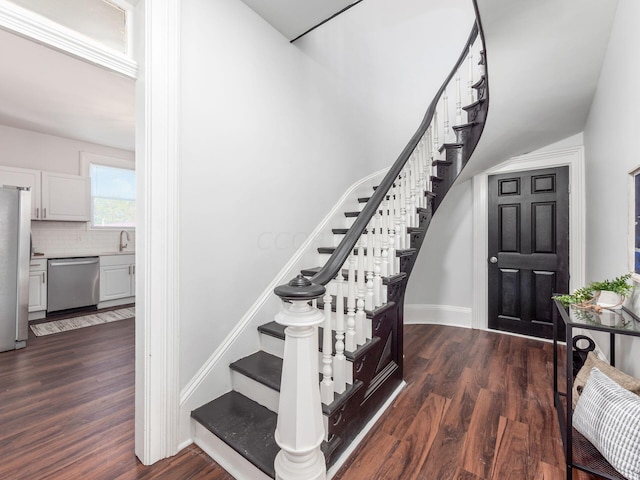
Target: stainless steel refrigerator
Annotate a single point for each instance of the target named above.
(15, 251)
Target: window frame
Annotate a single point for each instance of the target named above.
(86, 160)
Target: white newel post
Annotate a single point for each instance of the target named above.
(300, 429)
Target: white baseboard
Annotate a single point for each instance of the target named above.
(418, 314)
(116, 302)
(37, 315)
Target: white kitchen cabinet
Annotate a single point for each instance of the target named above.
(117, 279)
(54, 196)
(66, 197)
(37, 288)
(23, 177)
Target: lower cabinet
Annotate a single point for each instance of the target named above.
(37, 289)
(117, 279)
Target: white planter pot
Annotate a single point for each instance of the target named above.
(608, 299)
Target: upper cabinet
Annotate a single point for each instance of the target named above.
(65, 197)
(22, 177)
(54, 196)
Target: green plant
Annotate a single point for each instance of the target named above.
(582, 295)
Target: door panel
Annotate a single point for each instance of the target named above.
(529, 236)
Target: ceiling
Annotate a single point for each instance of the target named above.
(47, 91)
(44, 90)
(292, 18)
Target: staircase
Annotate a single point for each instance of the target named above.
(357, 294)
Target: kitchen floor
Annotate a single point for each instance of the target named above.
(67, 410)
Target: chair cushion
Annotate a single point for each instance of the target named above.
(625, 381)
(609, 417)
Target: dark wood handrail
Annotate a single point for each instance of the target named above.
(344, 249)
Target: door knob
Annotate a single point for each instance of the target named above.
(493, 260)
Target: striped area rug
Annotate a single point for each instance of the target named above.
(73, 323)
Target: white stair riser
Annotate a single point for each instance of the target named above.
(225, 456)
(256, 391)
(272, 345)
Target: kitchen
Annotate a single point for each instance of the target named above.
(58, 117)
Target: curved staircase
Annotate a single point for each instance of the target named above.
(357, 293)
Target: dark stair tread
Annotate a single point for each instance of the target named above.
(436, 179)
(244, 425)
(276, 330)
(273, 329)
(444, 163)
(479, 83)
(464, 126)
(473, 105)
(261, 367)
(351, 214)
(363, 199)
(450, 146)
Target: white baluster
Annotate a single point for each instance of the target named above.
(368, 297)
(377, 260)
(326, 386)
(470, 95)
(407, 198)
(384, 225)
(392, 250)
(436, 140)
(339, 360)
(414, 192)
(351, 339)
(445, 115)
(422, 153)
(458, 100)
(361, 316)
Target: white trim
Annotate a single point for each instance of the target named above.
(363, 433)
(87, 158)
(31, 25)
(423, 314)
(267, 294)
(631, 235)
(157, 245)
(574, 158)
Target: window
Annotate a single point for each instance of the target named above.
(113, 191)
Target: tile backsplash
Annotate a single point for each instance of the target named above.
(70, 238)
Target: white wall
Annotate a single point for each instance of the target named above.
(443, 273)
(28, 149)
(273, 133)
(612, 144)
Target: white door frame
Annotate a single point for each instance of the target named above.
(572, 157)
(157, 242)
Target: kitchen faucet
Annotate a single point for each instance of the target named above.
(123, 245)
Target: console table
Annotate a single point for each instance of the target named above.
(579, 453)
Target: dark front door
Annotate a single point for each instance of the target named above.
(528, 248)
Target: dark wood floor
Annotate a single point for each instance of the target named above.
(477, 406)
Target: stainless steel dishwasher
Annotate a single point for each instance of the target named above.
(73, 283)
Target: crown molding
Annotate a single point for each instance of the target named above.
(35, 27)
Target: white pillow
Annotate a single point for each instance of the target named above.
(609, 417)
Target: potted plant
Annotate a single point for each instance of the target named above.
(597, 295)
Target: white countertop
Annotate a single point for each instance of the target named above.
(46, 256)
